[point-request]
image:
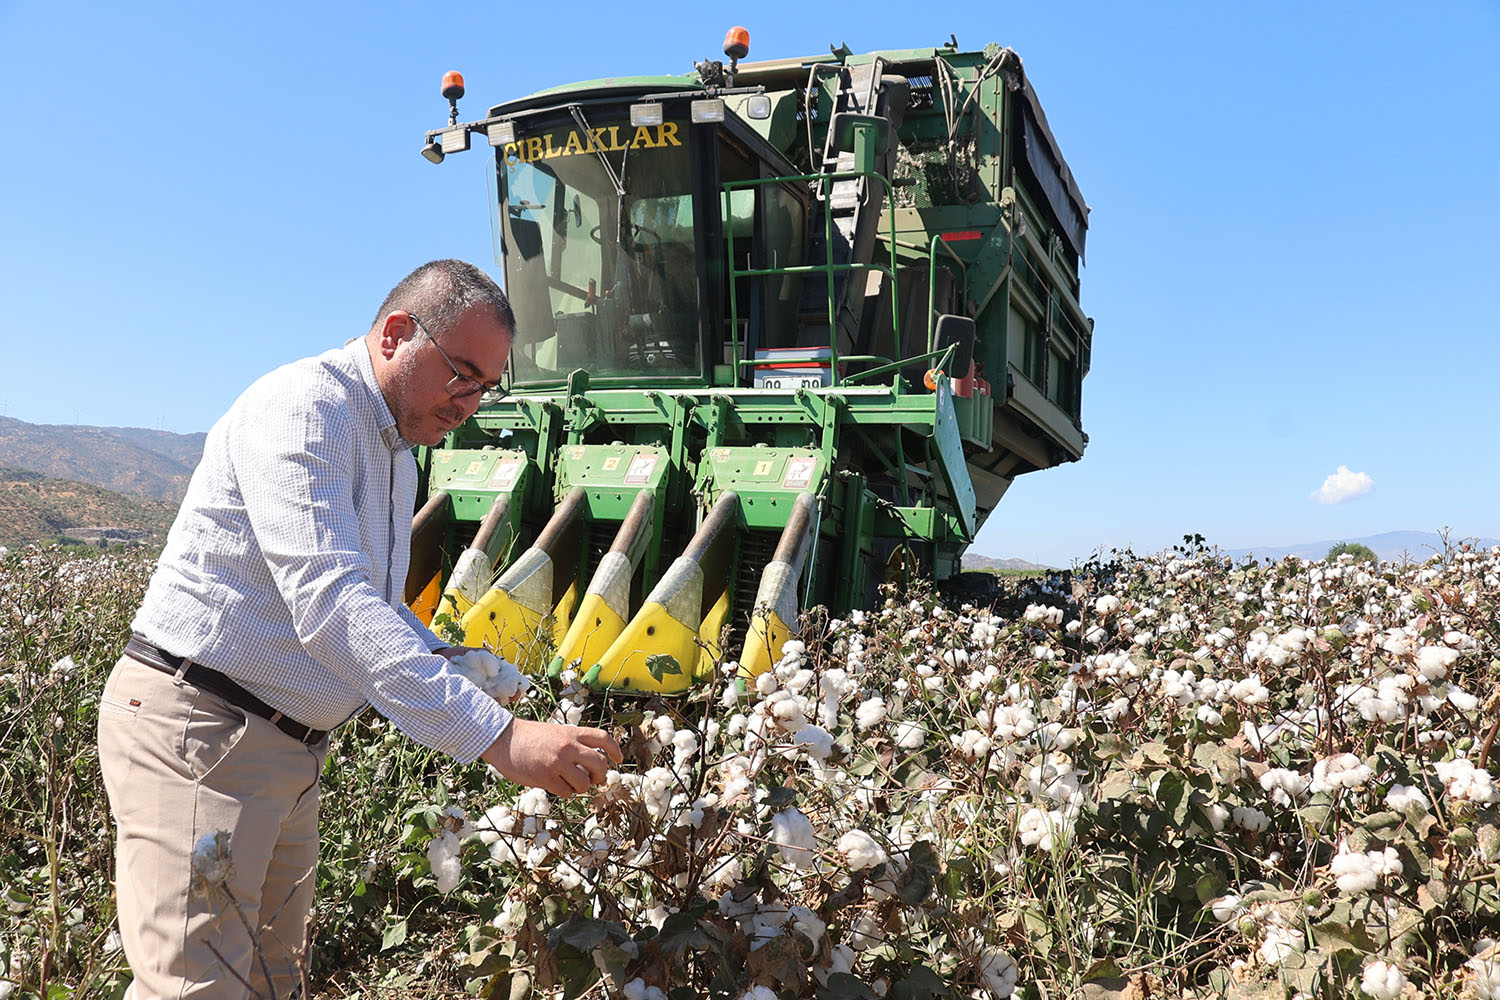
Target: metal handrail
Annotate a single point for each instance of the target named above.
(830, 269)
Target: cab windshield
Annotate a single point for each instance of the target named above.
(596, 220)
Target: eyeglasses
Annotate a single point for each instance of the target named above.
(460, 386)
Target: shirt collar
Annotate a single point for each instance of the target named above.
(387, 426)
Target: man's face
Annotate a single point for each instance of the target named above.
(418, 396)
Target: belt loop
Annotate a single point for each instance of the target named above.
(182, 668)
(274, 718)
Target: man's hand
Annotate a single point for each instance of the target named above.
(564, 760)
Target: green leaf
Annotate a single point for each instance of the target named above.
(921, 983)
(842, 986)
(680, 931)
(394, 935)
(660, 664)
(583, 933)
(917, 881)
(778, 797)
(1175, 795)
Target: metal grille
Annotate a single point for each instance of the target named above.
(756, 549)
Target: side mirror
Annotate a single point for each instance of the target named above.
(959, 331)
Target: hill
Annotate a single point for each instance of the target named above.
(1394, 545)
(130, 460)
(988, 564)
(35, 508)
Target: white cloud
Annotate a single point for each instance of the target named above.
(1342, 486)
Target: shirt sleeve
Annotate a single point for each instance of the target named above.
(428, 636)
(294, 460)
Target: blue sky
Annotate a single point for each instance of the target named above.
(1291, 264)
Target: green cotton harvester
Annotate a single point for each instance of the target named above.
(786, 331)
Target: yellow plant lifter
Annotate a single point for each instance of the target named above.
(673, 641)
(510, 618)
(475, 569)
(775, 617)
(605, 607)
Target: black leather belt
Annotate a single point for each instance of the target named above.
(209, 679)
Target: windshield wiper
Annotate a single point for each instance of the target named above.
(616, 179)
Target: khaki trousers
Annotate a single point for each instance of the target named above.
(180, 763)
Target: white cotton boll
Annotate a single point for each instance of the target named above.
(1339, 771)
(757, 993)
(1036, 829)
(1053, 736)
(815, 741)
(1353, 872)
(870, 713)
(971, 745)
(908, 735)
(1434, 661)
(865, 932)
(1461, 699)
(1382, 980)
(442, 856)
(792, 833)
(1283, 785)
(1465, 781)
(1209, 716)
(1226, 908)
(1012, 722)
(1402, 796)
(637, 989)
(766, 683)
(534, 802)
(1250, 819)
(1250, 691)
(1486, 973)
(1107, 605)
(861, 850)
(807, 923)
(684, 746)
(65, 667)
(1217, 815)
(997, 972)
(211, 861)
(1280, 944)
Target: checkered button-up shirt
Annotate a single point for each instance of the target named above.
(286, 564)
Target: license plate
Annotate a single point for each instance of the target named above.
(792, 382)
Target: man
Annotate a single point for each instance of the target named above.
(274, 615)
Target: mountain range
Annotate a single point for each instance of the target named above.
(1417, 546)
(130, 460)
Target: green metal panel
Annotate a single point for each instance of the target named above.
(475, 477)
(767, 480)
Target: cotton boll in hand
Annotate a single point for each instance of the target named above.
(498, 678)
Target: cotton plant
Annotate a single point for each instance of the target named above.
(964, 790)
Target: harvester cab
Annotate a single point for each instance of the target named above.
(786, 330)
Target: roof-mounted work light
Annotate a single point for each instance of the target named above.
(648, 113)
(501, 133)
(708, 110)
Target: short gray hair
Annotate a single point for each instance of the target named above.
(441, 291)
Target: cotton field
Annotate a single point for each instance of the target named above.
(1163, 776)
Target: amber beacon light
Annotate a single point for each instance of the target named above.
(737, 43)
